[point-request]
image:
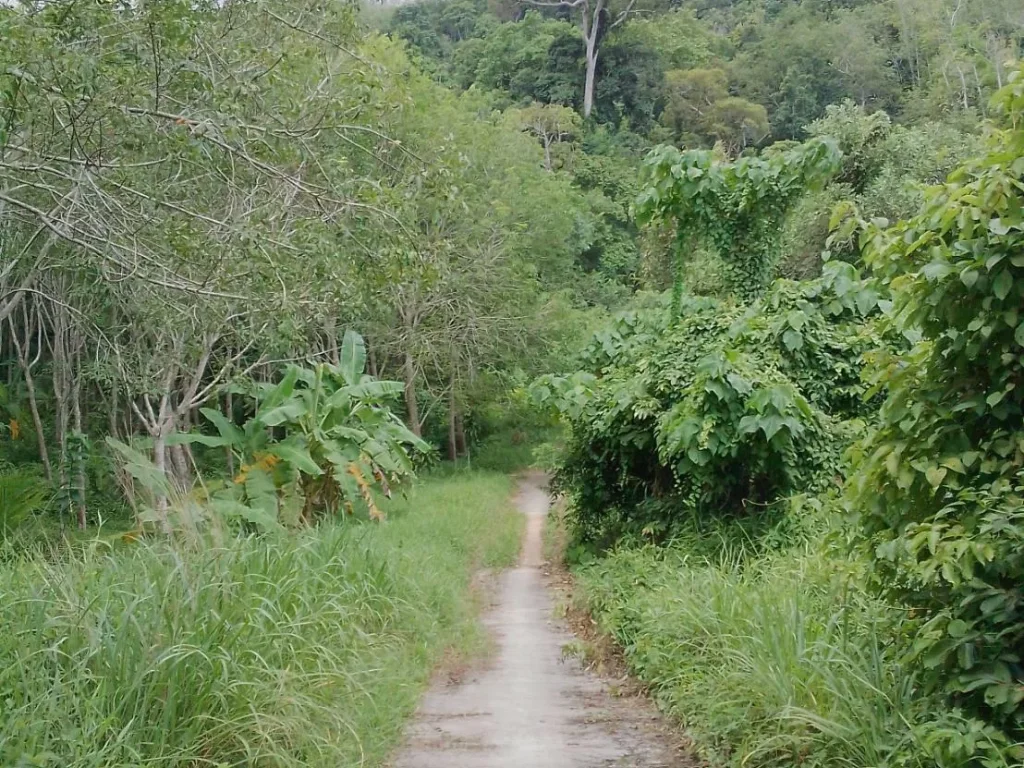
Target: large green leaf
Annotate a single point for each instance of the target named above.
(233, 509)
(224, 426)
(340, 465)
(261, 493)
(352, 359)
(286, 412)
(375, 390)
(280, 392)
(296, 453)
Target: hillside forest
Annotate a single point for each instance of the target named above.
(288, 290)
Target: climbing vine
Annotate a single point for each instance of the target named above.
(722, 411)
(735, 207)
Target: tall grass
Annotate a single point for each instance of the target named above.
(302, 650)
(769, 660)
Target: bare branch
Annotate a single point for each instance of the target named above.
(623, 15)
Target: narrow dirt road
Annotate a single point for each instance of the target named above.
(530, 707)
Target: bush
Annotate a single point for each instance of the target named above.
(304, 650)
(721, 412)
(938, 486)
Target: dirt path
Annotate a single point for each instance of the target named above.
(530, 708)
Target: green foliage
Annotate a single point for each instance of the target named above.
(680, 39)
(777, 659)
(721, 411)
(305, 650)
(338, 438)
(938, 485)
(883, 172)
(22, 494)
(536, 59)
(698, 108)
(629, 84)
(737, 207)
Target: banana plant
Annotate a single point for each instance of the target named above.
(320, 441)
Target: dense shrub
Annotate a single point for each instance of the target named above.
(938, 486)
(724, 410)
(737, 208)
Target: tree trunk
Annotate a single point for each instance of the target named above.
(181, 456)
(460, 435)
(453, 441)
(588, 84)
(33, 404)
(79, 457)
(371, 359)
(180, 464)
(124, 480)
(62, 385)
(333, 352)
(411, 406)
(37, 423)
(590, 25)
(160, 462)
(229, 414)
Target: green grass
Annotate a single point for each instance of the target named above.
(300, 650)
(770, 660)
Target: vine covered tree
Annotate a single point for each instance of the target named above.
(737, 207)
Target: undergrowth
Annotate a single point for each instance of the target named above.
(770, 658)
(298, 650)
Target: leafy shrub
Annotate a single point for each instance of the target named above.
(722, 411)
(938, 486)
(338, 439)
(884, 170)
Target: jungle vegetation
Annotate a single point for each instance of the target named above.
(751, 270)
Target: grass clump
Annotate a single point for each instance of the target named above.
(304, 650)
(774, 658)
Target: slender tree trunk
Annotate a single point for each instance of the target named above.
(124, 480)
(460, 435)
(181, 455)
(21, 353)
(79, 458)
(411, 406)
(547, 153)
(160, 462)
(37, 423)
(229, 414)
(161, 457)
(453, 441)
(332, 341)
(590, 36)
(62, 385)
(371, 359)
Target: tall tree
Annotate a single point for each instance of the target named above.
(595, 18)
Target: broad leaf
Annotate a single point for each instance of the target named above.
(352, 359)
